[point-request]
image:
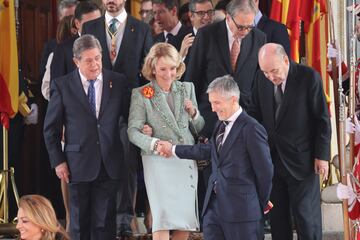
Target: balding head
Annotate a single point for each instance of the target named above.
(274, 62)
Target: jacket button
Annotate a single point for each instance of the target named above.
(191, 176)
(192, 186)
(97, 142)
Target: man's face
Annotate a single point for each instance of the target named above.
(203, 15)
(67, 12)
(275, 68)
(164, 16)
(224, 107)
(146, 10)
(85, 18)
(114, 6)
(90, 64)
(241, 24)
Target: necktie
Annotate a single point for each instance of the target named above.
(91, 96)
(220, 135)
(234, 53)
(112, 27)
(278, 98)
(170, 38)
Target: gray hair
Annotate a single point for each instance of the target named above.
(66, 4)
(192, 4)
(225, 86)
(83, 43)
(240, 6)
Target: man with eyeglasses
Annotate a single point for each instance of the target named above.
(201, 13)
(226, 47)
(166, 14)
(275, 32)
(146, 12)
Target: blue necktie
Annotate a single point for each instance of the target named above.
(91, 96)
(112, 26)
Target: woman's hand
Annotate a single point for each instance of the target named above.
(189, 108)
(147, 130)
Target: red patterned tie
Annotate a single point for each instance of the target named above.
(234, 52)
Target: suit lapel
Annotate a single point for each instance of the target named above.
(80, 92)
(223, 45)
(106, 92)
(215, 156)
(102, 39)
(289, 94)
(261, 22)
(244, 51)
(233, 134)
(178, 99)
(126, 42)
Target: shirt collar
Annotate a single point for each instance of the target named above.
(175, 30)
(84, 79)
(121, 17)
(257, 17)
(235, 115)
(195, 30)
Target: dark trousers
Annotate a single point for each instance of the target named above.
(93, 208)
(302, 199)
(217, 229)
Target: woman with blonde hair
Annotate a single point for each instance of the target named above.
(37, 220)
(169, 107)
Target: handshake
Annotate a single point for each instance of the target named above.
(163, 148)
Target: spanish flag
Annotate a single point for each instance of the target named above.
(287, 12)
(9, 73)
(313, 13)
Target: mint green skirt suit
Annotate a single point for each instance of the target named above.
(171, 183)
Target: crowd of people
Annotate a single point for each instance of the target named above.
(127, 94)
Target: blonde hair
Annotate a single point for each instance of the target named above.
(40, 212)
(171, 56)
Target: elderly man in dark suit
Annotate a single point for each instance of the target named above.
(125, 42)
(88, 102)
(240, 183)
(288, 100)
(227, 47)
(275, 32)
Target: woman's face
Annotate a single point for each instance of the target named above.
(165, 72)
(27, 229)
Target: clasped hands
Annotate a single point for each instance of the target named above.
(164, 148)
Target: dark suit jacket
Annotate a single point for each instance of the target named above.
(135, 45)
(302, 131)
(177, 40)
(89, 140)
(242, 170)
(62, 62)
(275, 32)
(210, 58)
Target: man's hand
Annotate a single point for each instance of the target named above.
(186, 44)
(164, 148)
(332, 52)
(147, 130)
(322, 167)
(32, 118)
(62, 171)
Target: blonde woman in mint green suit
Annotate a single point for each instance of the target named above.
(169, 107)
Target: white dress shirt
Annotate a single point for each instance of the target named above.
(231, 36)
(98, 85)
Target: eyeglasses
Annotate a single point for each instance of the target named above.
(143, 11)
(242, 27)
(210, 13)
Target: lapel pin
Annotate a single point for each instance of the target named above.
(132, 29)
(110, 84)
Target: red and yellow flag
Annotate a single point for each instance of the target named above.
(287, 12)
(313, 13)
(9, 73)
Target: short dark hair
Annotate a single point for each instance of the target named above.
(221, 5)
(192, 4)
(66, 4)
(85, 7)
(169, 4)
